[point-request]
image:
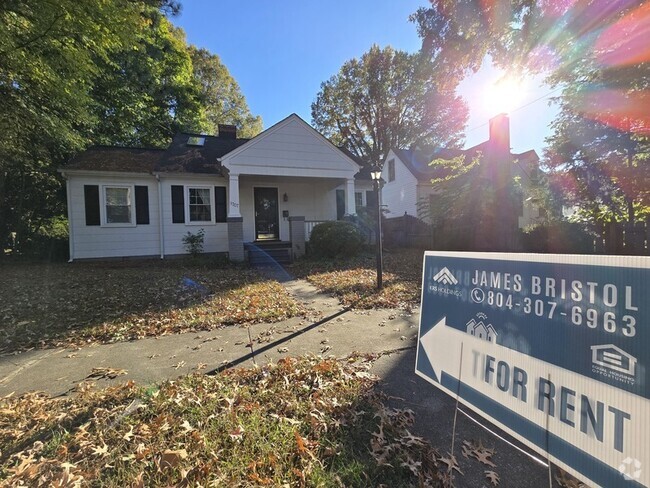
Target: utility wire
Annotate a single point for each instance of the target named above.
(519, 108)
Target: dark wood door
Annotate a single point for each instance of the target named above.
(267, 218)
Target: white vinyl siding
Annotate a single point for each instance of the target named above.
(401, 194)
(216, 235)
(292, 148)
(112, 240)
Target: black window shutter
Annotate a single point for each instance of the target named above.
(220, 203)
(178, 204)
(141, 205)
(91, 199)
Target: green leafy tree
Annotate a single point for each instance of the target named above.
(221, 96)
(389, 98)
(78, 73)
(48, 54)
(146, 91)
(596, 55)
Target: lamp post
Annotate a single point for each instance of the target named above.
(375, 173)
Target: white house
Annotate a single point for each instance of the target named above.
(407, 173)
(271, 188)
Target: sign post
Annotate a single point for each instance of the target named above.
(555, 352)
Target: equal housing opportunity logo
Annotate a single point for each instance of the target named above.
(613, 362)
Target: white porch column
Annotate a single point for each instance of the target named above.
(233, 196)
(350, 203)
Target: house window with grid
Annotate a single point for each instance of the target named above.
(117, 201)
(358, 199)
(200, 205)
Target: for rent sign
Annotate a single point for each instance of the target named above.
(552, 348)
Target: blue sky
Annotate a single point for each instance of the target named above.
(280, 52)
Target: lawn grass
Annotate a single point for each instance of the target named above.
(302, 422)
(353, 281)
(72, 304)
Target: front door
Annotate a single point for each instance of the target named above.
(267, 219)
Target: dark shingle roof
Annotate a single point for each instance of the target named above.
(183, 158)
(107, 158)
(417, 160)
(179, 157)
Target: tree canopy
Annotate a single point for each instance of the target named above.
(595, 52)
(221, 96)
(388, 98)
(77, 73)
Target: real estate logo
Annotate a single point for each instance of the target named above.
(445, 277)
(478, 327)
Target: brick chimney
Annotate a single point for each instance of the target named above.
(500, 133)
(227, 131)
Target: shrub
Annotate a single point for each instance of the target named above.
(334, 239)
(48, 242)
(194, 242)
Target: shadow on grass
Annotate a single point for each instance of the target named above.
(44, 305)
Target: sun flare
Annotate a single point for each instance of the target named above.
(504, 95)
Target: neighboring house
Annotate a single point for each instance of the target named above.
(407, 173)
(274, 187)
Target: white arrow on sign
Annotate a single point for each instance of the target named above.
(483, 361)
(442, 345)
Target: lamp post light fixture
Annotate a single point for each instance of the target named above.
(375, 173)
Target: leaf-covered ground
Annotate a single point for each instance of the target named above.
(302, 422)
(354, 280)
(71, 304)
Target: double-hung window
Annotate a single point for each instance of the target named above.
(199, 204)
(358, 199)
(118, 205)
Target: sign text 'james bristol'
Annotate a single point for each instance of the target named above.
(554, 351)
(575, 290)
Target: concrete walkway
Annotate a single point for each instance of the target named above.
(336, 331)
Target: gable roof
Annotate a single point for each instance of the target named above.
(181, 157)
(417, 160)
(109, 158)
(277, 127)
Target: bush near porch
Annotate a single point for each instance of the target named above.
(335, 239)
(59, 304)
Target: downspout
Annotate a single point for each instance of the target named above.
(161, 223)
(68, 199)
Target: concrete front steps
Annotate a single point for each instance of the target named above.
(268, 253)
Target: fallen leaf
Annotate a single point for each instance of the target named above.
(492, 477)
(171, 459)
(109, 373)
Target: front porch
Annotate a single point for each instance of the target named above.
(287, 175)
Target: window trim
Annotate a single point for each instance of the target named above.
(391, 170)
(102, 209)
(187, 205)
(360, 193)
